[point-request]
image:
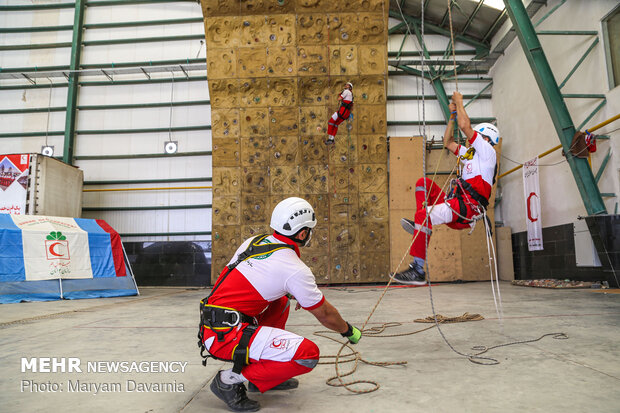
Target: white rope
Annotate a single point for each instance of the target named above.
(493, 266)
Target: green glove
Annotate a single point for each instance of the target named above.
(353, 334)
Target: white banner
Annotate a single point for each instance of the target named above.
(13, 183)
(532, 205)
(54, 247)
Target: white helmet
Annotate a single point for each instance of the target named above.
(349, 84)
(291, 215)
(488, 130)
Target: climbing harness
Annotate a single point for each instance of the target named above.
(223, 320)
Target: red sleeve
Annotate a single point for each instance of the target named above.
(317, 305)
(473, 138)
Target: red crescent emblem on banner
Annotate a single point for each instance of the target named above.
(529, 207)
(51, 249)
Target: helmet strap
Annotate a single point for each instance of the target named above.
(304, 241)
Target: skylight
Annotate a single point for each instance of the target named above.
(496, 4)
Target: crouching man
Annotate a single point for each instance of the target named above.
(244, 317)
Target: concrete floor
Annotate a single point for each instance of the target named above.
(580, 374)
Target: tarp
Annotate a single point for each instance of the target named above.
(50, 258)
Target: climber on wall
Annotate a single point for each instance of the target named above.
(344, 111)
(470, 192)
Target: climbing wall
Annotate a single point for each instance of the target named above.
(275, 70)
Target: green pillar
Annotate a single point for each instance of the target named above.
(72, 91)
(562, 121)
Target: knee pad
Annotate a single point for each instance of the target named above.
(307, 354)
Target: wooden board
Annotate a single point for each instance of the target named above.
(504, 254)
(405, 159)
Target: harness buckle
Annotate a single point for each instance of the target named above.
(234, 323)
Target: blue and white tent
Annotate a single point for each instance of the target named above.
(51, 258)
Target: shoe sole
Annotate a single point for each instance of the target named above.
(216, 390)
(252, 389)
(408, 282)
(407, 226)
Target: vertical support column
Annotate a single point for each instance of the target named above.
(72, 91)
(562, 121)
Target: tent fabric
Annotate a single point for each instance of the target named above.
(50, 258)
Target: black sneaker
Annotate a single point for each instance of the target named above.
(287, 385)
(414, 275)
(329, 141)
(233, 395)
(408, 225)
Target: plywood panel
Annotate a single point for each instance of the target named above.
(254, 121)
(343, 207)
(225, 123)
(405, 167)
(372, 149)
(504, 253)
(312, 60)
(400, 240)
(284, 150)
(221, 63)
(255, 151)
(343, 60)
(255, 209)
(285, 180)
(344, 151)
(312, 120)
(226, 181)
(312, 28)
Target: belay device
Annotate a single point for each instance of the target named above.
(223, 320)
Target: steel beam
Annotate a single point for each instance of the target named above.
(35, 7)
(433, 97)
(438, 30)
(434, 122)
(471, 16)
(149, 181)
(556, 106)
(594, 43)
(591, 115)
(148, 208)
(141, 156)
(73, 78)
(603, 166)
(102, 3)
(567, 32)
(163, 234)
(143, 130)
(549, 13)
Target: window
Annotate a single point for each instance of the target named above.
(611, 32)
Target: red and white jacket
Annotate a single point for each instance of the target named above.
(480, 170)
(257, 281)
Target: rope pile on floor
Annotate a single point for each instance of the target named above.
(443, 319)
(356, 356)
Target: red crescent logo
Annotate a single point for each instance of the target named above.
(51, 250)
(529, 207)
